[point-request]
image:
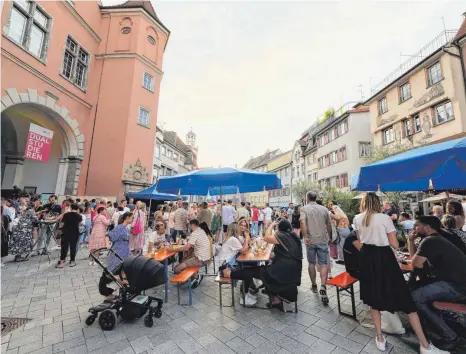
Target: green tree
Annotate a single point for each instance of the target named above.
(301, 188)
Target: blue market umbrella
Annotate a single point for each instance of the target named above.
(439, 166)
(152, 194)
(218, 181)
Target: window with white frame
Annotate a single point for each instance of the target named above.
(407, 126)
(164, 151)
(175, 156)
(443, 112)
(29, 26)
(157, 151)
(170, 153)
(315, 176)
(417, 123)
(364, 149)
(388, 135)
(309, 177)
(405, 92)
(314, 157)
(148, 81)
(383, 108)
(434, 74)
(144, 117)
(75, 63)
(286, 171)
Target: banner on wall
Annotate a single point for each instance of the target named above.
(38, 143)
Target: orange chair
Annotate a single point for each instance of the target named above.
(344, 282)
(222, 281)
(186, 275)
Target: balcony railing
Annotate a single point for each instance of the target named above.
(442, 39)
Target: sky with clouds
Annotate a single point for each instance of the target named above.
(248, 76)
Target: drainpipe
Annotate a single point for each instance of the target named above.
(461, 57)
(96, 108)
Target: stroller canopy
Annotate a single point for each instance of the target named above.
(143, 273)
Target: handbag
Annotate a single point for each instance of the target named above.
(137, 228)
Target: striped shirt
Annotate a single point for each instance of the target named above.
(200, 241)
(181, 219)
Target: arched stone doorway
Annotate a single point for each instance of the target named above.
(60, 175)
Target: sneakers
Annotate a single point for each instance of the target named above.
(339, 261)
(251, 300)
(323, 294)
(91, 263)
(314, 288)
(432, 350)
(196, 281)
(381, 345)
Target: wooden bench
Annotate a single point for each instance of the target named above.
(344, 282)
(186, 276)
(222, 281)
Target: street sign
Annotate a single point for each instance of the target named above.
(39, 143)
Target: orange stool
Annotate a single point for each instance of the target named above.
(344, 282)
(185, 276)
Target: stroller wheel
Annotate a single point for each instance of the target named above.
(158, 313)
(107, 320)
(148, 321)
(90, 319)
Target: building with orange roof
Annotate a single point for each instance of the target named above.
(90, 75)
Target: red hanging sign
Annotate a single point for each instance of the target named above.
(39, 143)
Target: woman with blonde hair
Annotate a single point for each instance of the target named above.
(136, 240)
(342, 225)
(382, 285)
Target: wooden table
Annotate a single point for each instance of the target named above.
(250, 257)
(162, 255)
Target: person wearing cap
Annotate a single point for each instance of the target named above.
(448, 265)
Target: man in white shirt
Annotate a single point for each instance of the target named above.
(243, 213)
(290, 212)
(228, 215)
(267, 215)
(123, 204)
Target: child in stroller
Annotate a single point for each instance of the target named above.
(136, 275)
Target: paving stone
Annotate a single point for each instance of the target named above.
(320, 333)
(239, 346)
(256, 340)
(31, 347)
(346, 344)
(307, 339)
(321, 347)
(206, 339)
(52, 338)
(189, 346)
(142, 344)
(96, 342)
(223, 334)
(167, 347)
(71, 343)
(357, 337)
(266, 348)
(371, 348)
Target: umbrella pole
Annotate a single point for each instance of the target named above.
(148, 214)
(221, 213)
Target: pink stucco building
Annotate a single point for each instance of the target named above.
(91, 74)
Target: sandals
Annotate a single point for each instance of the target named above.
(60, 264)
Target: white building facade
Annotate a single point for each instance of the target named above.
(343, 143)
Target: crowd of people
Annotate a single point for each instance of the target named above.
(367, 246)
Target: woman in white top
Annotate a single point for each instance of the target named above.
(232, 244)
(382, 284)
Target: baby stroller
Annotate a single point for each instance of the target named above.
(142, 273)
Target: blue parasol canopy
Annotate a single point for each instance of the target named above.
(440, 166)
(216, 181)
(153, 194)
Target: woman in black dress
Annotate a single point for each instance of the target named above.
(382, 285)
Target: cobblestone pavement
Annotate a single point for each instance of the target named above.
(57, 301)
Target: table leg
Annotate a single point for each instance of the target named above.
(166, 280)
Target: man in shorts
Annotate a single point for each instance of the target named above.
(198, 243)
(317, 232)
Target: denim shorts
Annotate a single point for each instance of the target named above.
(321, 251)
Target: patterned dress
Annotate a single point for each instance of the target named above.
(99, 230)
(119, 237)
(21, 241)
(136, 242)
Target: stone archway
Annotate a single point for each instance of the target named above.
(71, 140)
